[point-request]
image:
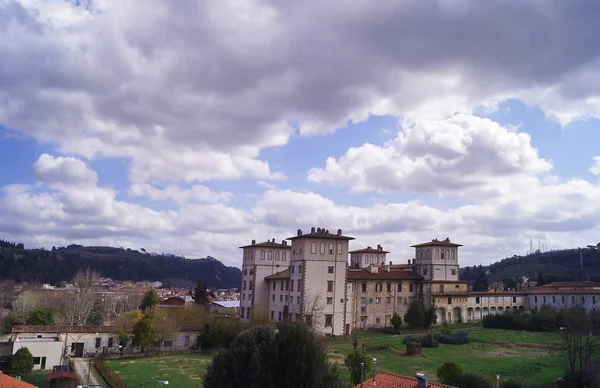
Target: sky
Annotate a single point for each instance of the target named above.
(193, 127)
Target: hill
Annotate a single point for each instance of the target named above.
(62, 263)
(553, 265)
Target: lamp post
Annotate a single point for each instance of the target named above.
(349, 365)
(155, 382)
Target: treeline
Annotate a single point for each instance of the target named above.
(10, 244)
(61, 264)
(545, 319)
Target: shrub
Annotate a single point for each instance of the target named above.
(473, 380)
(458, 338)
(426, 341)
(21, 363)
(449, 372)
(376, 347)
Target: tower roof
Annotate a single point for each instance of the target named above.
(320, 233)
(379, 249)
(437, 243)
(268, 244)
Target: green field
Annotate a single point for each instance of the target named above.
(180, 370)
(525, 356)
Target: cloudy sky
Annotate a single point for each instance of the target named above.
(193, 127)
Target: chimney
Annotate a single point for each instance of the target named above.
(312, 230)
(390, 262)
(378, 247)
(253, 242)
(373, 268)
(339, 232)
(283, 242)
(422, 381)
(374, 365)
(299, 232)
(318, 230)
(273, 241)
(408, 261)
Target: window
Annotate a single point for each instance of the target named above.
(410, 287)
(456, 286)
(279, 316)
(371, 300)
(425, 271)
(243, 308)
(449, 300)
(262, 254)
(274, 284)
(292, 285)
(168, 344)
(363, 300)
(573, 299)
(378, 287)
(249, 285)
(277, 256)
(437, 253)
(535, 299)
(292, 269)
(544, 299)
(364, 287)
(299, 300)
(441, 288)
(273, 298)
(298, 284)
(322, 250)
(378, 300)
(270, 255)
(272, 314)
(377, 321)
(330, 286)
(250, 272)
(428, 253)
(563, 299)
(283, 256)
(388, 299)
(186, 340)
(37, 360)
(329, 300)
(98, 343)
(389, 287)
(477, 300)
(593, 300)
(281, 286)
(244, 287)
(363, 309)
(248, 312)
(156, 344)
(281, 298)
(453, 254)
(442, 255)
(339, 250)
(300, 268)
(342, 300)
(331, 248)
(245, 272)
(287, 285)
(330, 269)
(583, 299)
(313, 247)
(328, 319)
(399, 289)
(110, 342)
(453, 272)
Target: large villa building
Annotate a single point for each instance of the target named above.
(316, 278)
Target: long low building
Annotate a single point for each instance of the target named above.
(317, 279)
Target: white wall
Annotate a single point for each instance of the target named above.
(42, 348)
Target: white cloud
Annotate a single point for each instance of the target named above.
(462, 152)
(595, 168)
(190, 83)
(63, 169)
(196, 193)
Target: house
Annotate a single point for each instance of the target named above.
(173, 301)
(225, 307)
(46, 348)
(10, 382)
(390, 380)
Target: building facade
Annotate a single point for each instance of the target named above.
(318, 280)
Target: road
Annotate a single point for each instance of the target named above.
(81, 368)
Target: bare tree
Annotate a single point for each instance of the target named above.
(26, 302)
(311, 311)
(7, 293)
(164, 324)
(83, 298)
(580, 340)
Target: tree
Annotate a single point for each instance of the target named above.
(200, 294)
(83, 299)
(415, 316)
(294, 358)
(144, 334)
(353, 361)
(580, 340)
(396, 321)
(509, 283)
(430, 317)
(481, 282)
(163, 323)
(21, 363)
(26, 302)
(149, 300)
(540, 279)
(449, 372)
(130, 318)
(40, 316)
(123, 339)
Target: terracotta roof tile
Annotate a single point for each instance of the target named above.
(268, 244)
(369, 250)
(571, 284)
(389, 380)
(382, 274)
(285, 274)
(10, 382)
(321, 233)
(437, 243)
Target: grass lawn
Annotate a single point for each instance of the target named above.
(518, 362)
(522, 363)
(181, 370)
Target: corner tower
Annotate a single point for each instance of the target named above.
(437, 260)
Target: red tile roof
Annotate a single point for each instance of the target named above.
(83, 329)
(285, 274)
(389, 380)
(369, 250)
(268, 244)
(10, 382)
(382, 274)
(437, 243)
(571, 284)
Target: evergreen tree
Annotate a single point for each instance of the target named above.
(353, 361)
(430, 317)
(21, 363)
(540, 279)
(449, 373)
(149, 300)
(396, 321)
(415, 315)
(200, 294)
(144, 334)
(40, 316)
(481, 282)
